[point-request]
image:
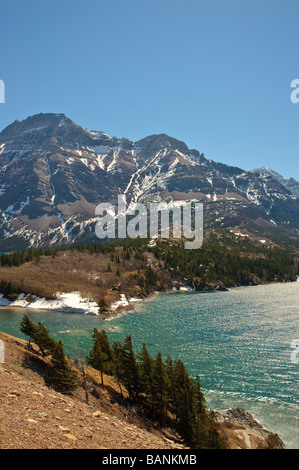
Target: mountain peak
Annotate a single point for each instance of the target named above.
(290, 184)
(34, 123)
(156, 142)
(53, 172)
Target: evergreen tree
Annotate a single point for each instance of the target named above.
(39, 334)
(206, 435)
(198, 396)
(118, 364)
(159, 394)
(146, 366)
(170, 382)
(60, 376)
(183, 400)
(106, 348)
(28, 328)
(97, 358)
(131, 376)
(42, 338)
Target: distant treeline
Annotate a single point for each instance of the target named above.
(229, 261)
(9, 289)
(223, 258)
(20, 257)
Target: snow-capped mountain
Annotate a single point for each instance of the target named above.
(290, 183)
(54, 172)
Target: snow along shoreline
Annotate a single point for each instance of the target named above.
(73, 302)
(68, 303)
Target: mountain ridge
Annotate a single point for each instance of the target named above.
(290, 183)
(54, 172)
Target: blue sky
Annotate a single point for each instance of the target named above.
(215, 74)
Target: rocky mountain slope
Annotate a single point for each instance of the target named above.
(54, 172)
(33, 416)
(289, 183)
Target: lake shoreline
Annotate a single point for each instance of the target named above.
(236, 335)
(85, 306)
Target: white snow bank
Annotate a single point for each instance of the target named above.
(186, 288)
(4, 302)
(71, 302)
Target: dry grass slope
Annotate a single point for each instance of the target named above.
(34, 416)
(73, 271)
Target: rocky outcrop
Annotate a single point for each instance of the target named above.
(289, 183)
(242, 430)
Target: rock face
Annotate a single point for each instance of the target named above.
(243, 431)
(54, 172)
(291, 184)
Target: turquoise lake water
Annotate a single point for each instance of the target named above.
(237, 341)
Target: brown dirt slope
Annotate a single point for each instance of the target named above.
(34, 416)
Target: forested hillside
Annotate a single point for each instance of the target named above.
(136, 268)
